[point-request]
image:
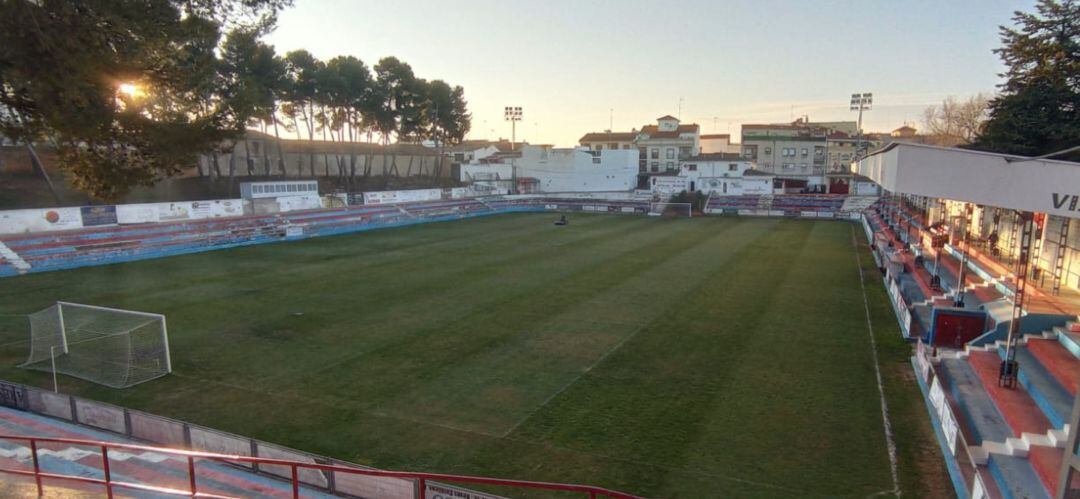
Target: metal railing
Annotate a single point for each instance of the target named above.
(110, 484)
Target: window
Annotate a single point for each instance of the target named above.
(626, 146)
(692, 168)
(654, 153)
(670, 165)
(596, 161)
(768, 151)
(803, 166)
(671, 153)
(805, 152)
(613, 146)
(599, 147)
(789, 166)
(459, 157)
(684, 152)
(819, 152)
(732, 167)
(788, 152)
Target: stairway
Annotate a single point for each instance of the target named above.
(857, 204)
(1018, 434)
(6, 253)
(765, 202)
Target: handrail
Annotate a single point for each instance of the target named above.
(420, 478)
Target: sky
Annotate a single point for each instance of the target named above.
(589, 65)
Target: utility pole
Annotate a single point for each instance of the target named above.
(861, 102)
(679, 116)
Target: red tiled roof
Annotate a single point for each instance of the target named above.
(717, 136)
(668, 117)
(608, 137)
(654, 132)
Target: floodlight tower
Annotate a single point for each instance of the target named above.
(861, 102)
(513, 115)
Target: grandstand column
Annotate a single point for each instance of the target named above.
(968, 211)
(1009, 367)
(1059, 258)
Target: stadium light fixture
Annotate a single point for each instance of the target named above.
(513, 115)
(861, 102)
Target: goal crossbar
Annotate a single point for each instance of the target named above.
(673, 209)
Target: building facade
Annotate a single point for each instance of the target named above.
(719, 143)
(598, 141)
(662, 146)
(549, 169)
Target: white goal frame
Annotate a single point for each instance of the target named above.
(654, 212)
(127, 323)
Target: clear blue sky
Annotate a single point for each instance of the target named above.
(567, 63)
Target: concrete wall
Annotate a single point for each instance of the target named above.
(578, 170)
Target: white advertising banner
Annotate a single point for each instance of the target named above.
(949, 427)
(937, 395)
(294, 203)
(410, 196)
(40, 220)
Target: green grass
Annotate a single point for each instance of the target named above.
(664, 357)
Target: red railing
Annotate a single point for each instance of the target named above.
(420, 479)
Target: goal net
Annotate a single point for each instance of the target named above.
(108, 346)
(670, 209)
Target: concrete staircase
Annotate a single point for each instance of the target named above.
(1019, 434)
(857, 204)
(22, 266)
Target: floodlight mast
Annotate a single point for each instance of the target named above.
(861, 102)
(513, 115)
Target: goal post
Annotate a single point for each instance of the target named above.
(671, 209)
(112, 347)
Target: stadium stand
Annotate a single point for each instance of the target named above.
(1007, 441)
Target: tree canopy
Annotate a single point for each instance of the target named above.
(1038, 109)
(133, 91)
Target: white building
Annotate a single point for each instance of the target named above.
(549, 169)
(715, 174)
(664, 144)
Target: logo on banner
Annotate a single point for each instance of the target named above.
(52, 216)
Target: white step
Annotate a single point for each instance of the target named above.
(16, 261)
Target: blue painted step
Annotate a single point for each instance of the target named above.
(976, 407)
(1016, 478)
(1052, 398)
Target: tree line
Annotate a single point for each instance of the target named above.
(1037, 108)
(342, 100)
(129, 92)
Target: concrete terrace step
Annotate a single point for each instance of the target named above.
(1047, 464)
(1015, 405)
(1068, 339)
(139, 467)
(1058, 361)
(1047, 392)
(1016, 478)
(979, 415)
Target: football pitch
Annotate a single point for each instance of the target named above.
(665, 357)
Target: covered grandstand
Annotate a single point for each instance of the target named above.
(980, 253)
